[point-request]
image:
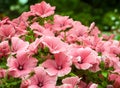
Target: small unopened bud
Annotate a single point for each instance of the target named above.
(92, 25)
(110, 86)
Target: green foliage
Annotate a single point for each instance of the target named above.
(30, 36)
(100, 77)
(105, 13)
(10, 82)
(3, 63)
(117, 37)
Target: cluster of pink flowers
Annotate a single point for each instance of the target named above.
(47, 50)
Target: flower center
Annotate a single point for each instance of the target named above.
(79, 60)
(59, 67)
(20, 67)
(40, 84)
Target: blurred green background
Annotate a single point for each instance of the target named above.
(105, 13)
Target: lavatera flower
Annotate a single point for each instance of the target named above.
(42, 9)
(41, 79)
(60, 66)
(21, 65)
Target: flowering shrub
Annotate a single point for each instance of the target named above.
(40, 49)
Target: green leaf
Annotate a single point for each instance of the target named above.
(72, 74)
(117, 37)
(3, 63)
(102, 65)
(27, 38)
(105, 74)
(99, 86)
(111, 68)
(46, 49)
(104, 84)
(99, 54)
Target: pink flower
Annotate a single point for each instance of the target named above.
(20, 24)
(42, 9)
(61, 22)
(82, 84)
(77, 82)
(60, 66)
(24, 83)
(111, 47)
(41, 79)
(99, 46)
(71, 80)
(5, 20)
(110, 86)
(21, 65)
(33, 47)
(4, 49)
(37, 29)
(65, 86)
(115, 79)
(7, 31)
(18, 45)
(92, 85)
(108, 37)
(2, 73)
(54, 44)
(40, 30)
(82, 58)
(91, 41)
(78, 29)
(76, 32)
(111, 61)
